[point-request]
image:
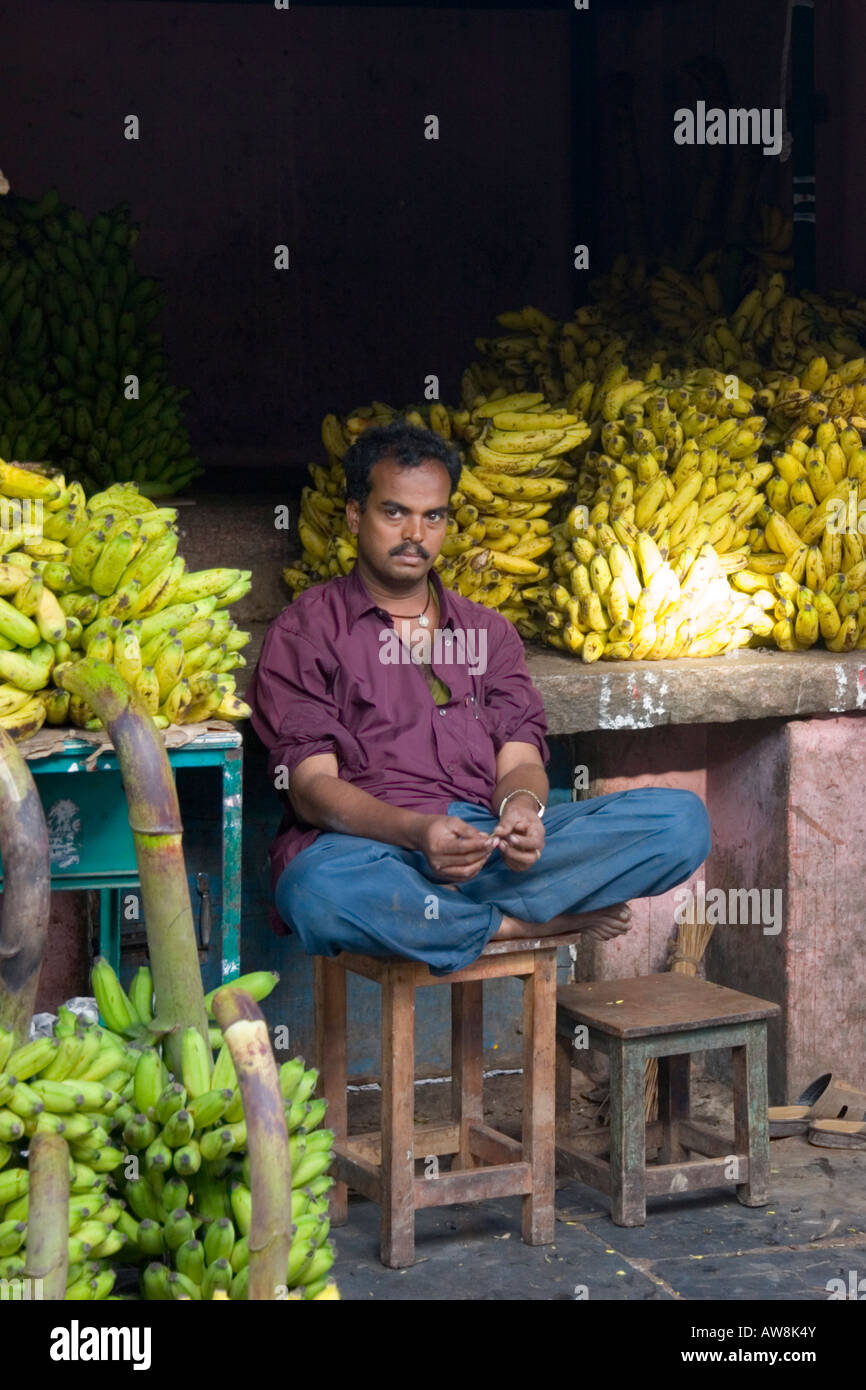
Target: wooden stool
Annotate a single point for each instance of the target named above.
(669, 1017)
(486, 1163)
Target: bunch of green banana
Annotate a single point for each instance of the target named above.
(191, 1196)
(75, 321)
(187, 1192)
(77, 1084)
(103, 578)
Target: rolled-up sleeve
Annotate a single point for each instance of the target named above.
(514, 709)
(293, 709)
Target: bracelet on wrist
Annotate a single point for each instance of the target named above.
(522, 791)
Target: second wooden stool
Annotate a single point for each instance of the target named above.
(666, 1016)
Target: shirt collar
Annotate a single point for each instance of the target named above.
(359, 601)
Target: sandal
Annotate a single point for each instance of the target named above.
(824, 1099)
(839, 1134)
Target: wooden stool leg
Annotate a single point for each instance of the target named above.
(467, 1079)
(751, 1125)
(397, 1231)
(627, 1133)
(673, 1104)
(563, 1083)
(539, 1078)
(330, 1052)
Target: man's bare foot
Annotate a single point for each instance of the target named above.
(604, 924)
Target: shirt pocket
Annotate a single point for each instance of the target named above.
(472, 735)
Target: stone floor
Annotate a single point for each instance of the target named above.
(703, 1246)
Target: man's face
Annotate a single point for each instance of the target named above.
(401, 529)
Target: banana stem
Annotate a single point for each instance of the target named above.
(270, 1237)
(48, 1215)
(26, 890)
(157, 834)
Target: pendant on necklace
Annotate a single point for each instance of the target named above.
(423, 621)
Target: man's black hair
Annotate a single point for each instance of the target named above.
(408, 445)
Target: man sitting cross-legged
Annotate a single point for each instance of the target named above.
(401, 718)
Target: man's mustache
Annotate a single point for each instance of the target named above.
(405, 549)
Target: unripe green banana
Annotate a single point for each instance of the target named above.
(217, 1276)
(11, 1126)
(141, 987)
(196, 1063)
(189, 1260)
(178, 1129)
(93, 1095)
(172, 1098)
(242, 1207)
(158, 1155)
(209, 1107)
(79, 1126)
(25, 1102)
(148, 1081)
(106, 1160)
(296, 1115)
(258, 983)
(127, 1225)
(177, 1228)
(290, 1075)
(310, 1166)
(318, 1265)
(114, 1004)
(306, 1085)
(149, 1239)
(32, 1058)
(216, 1144)
(187, 1159)
(91, 1043)
(219, 1240)
(300, 1252)
(240, 1254)
(317, 1108)
(174, 1195)
(139, 1132)
(224, 1075)
(12, 1237)
(154, 1283)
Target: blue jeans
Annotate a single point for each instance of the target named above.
(348, 893)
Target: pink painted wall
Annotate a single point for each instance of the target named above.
(788, 812)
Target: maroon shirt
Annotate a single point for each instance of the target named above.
(333, 677)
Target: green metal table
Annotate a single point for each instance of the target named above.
(91, 842)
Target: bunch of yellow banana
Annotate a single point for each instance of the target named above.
(814, 522)
(631, 599)
(103, 578)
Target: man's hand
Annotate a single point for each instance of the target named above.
(455, 850)
(521, 834)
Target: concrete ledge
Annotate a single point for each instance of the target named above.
(747, 684)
